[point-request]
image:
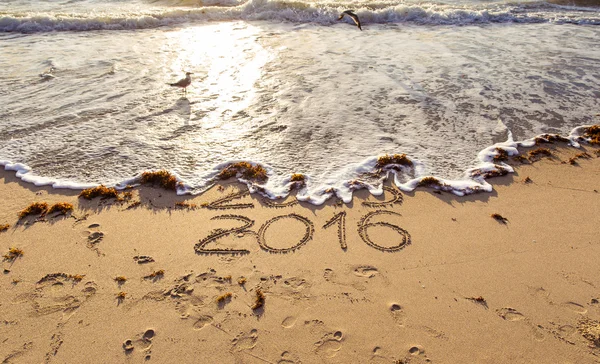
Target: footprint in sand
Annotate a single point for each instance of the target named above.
(366, 271)
(575, 307)
(245, 341)
(202, 322)
(58, 293)
(331, 276)
(330, 344)
(288, 358)
(510, 314)
(143, 344)
(415, 354)
(398, 314)
(289, 322)
(94, 237)
(379, 356)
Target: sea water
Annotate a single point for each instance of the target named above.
(85, 100)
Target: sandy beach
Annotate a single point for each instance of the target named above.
(400, 278)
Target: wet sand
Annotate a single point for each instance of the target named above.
(404, 277)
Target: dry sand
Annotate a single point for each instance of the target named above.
(468, 288)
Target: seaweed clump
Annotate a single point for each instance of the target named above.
(573, 160)
(501, 156)
(539, 153)
(4, 227)
(430, 182)
(185, 205)
(593, 133)
(298, 180)
(521, 158)
(497, 172)
(224, 298)
(247, 170)
(297, 177)
(100, 191)
(36, 208)
(259, 300)
(61, 207)
(121, 296)
(396, 159)
(162, 178)
(155, 275)
(13, 253)
(550, 138)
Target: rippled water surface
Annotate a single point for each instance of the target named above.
(84, 97)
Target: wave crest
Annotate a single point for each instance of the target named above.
(181, 11)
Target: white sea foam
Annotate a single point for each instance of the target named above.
(123, 17)
(296, 98)
(277, 187)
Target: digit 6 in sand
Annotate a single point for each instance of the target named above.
(364, 224)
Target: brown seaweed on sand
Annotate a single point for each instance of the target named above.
(538, 153)
(521, 158)
(497, 172)
(55, 276)
(186, 205)
(156, 275)
(593, 133)
(430, 182)
(36, 208)
(162, 178)
(100, 191)
(479, 300)
(573, 160)
(298, 179)
(550, 138)
(61, 207)
(224, 298)
(4, 227)
(259, 300)
(247, 170)
(501, 156)
(396, 159)
(13, 253)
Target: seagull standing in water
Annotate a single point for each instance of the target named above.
(184, 82)
(351, 14)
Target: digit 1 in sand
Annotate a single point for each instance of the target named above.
(340, 218)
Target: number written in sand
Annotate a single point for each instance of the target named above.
(340, 218)
(396, 198)
(308, 233)
(364, 224)
(224, 203)
(200, 248)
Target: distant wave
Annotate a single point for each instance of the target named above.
(173, 12)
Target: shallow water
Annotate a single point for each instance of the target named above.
(308, 95)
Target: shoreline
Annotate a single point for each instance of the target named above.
(423, 273)
(495, 160)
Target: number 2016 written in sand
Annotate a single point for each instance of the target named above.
(338, 219)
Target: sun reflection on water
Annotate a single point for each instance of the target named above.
(226, 60)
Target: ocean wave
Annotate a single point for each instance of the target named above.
(299, 12)
(405, 178)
